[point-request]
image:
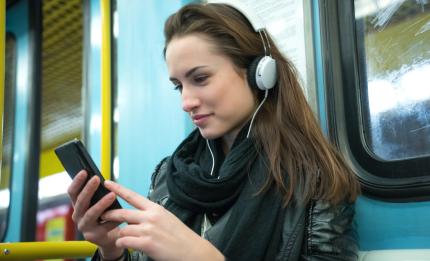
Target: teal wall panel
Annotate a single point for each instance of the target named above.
(151, 121)
(93, 117)
(385, 225)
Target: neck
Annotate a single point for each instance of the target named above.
(229, 138)
(227, 141)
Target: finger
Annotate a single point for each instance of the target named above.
(130, 216)
(131, 197)
(83, 200)
(76, 185)
(92, 215)
(95, 212)
(134, 231)
(141, 243)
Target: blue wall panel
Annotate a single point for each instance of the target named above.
(93, 115)
(319, 69)
(151, 121)
(383, 225)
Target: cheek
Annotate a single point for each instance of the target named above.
(244, 93)
(247, 101)
(219, 95)
(230, 95)
(238, 100)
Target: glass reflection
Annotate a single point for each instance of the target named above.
(396, 47)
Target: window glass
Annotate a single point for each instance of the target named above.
(6, 161)
(396, 55)
(61, 112)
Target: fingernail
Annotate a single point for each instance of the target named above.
(108, 182)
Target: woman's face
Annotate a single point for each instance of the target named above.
(214, 93)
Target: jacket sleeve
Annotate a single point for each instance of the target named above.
(330, 233)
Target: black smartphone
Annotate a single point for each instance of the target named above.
(75, 157)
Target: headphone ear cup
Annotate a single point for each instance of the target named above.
(266, 76)
(252, 72)
(262, 73)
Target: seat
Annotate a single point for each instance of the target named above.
(395, 255)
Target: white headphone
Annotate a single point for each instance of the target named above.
(262, 73)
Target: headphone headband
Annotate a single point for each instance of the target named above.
(262, 73)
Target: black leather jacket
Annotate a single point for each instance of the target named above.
(315, 232)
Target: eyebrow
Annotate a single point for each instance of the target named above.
(189, 72)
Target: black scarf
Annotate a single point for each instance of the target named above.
(254, 228)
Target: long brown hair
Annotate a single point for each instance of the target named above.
(285, 127)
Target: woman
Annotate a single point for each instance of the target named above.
(255, 181)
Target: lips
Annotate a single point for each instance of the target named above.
(199, 119)
(199, 116)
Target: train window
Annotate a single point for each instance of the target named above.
(6, 161)
(376, 59)
(61, 72)
(61, 114)
(396, 102)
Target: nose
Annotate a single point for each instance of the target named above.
(189, 100)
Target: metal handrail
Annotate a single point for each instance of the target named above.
(46, 250)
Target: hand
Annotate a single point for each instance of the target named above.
(156, 231)
(87, 218)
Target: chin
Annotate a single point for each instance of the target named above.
(209, 135)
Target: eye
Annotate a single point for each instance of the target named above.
(177, 86)
(200, 79)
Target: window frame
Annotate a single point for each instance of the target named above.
(400, 180)
(12, 64)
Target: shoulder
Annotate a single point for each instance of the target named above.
(319, 231)
(330, 230)
(158, 189)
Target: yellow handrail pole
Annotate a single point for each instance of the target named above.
(2, 68)
(46, 250)
(106, 103)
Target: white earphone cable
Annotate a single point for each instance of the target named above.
(213, 158)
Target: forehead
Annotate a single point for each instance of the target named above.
(193, 40)
(189, 49)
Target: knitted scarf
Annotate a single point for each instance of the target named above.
(253, 230)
